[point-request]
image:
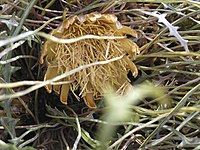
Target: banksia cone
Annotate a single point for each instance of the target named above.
(92, 81)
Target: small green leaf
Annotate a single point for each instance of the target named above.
(9, 125)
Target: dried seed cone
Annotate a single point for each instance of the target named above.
(92, 81)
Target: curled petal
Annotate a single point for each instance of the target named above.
(89, 96)
(132, 66)
(50, 73)
(56, 88)
(48, 51)
(89, 100)
(66, 23)
(109, 18)
(64, 93)
(93, 17)
(130, 47)
(50, 48)
(128, 31)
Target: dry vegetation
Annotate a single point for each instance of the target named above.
(85, 74)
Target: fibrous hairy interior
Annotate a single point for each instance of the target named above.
(93, 81)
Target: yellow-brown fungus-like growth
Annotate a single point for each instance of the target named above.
(92, 81)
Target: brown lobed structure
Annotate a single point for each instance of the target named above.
(92, 81)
